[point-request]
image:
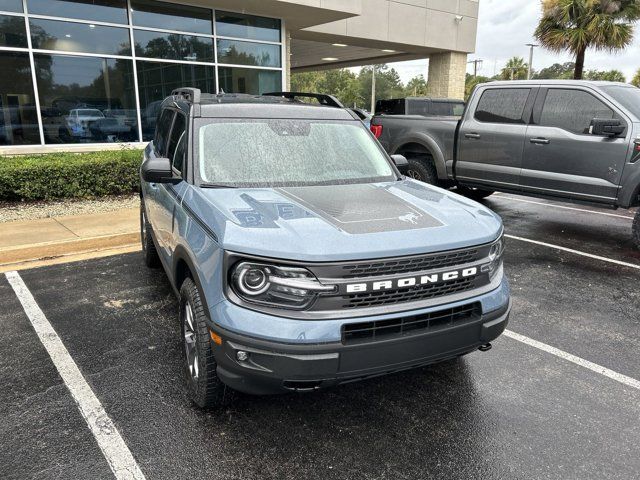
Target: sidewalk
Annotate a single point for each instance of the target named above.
(30, 243)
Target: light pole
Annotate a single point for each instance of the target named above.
(476, 63)
(531, 47)
(373, 90)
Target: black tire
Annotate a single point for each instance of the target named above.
(422, 169)
(204, 387)
(149, 251)
(475, 193)
(636, 229)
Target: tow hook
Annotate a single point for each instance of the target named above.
(485, 348)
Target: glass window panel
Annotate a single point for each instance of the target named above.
(572, 110)
(239, 25)
(172, 46)
(18, 117)
(168, 16)
(179, 126)
(79, 37)
(110, 11)
(86, 99)
(11, 6)
(157, 80)
(502, 106)
(246, 80)
(247, 53)
(13, 32)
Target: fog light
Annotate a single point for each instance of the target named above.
(242, 356)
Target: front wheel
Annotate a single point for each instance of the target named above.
(149, 252)
(475, 193)
(636, 229)
(205, 388)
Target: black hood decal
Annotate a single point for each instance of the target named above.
(359, 209)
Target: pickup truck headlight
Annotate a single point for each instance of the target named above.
(495, 257)
(276, 286)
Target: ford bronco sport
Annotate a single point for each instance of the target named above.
(303, 259)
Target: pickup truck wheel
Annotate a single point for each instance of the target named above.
(636, 229)
(205, 388)
(149, 252)
(475, 193)
(423, 171)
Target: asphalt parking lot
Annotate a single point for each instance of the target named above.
(517, 411)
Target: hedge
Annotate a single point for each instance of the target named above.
(69, 175)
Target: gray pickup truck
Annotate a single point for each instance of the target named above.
(577, 141)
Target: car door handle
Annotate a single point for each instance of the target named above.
(474, 136)
(540, 141)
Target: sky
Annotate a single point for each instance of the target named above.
(506, 26)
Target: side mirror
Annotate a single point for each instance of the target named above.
(157, 170)
(606, 127)
(401, 162)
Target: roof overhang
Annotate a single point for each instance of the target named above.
(297, 14)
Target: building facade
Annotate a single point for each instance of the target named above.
(78, 74)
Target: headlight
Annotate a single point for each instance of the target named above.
(495, 257)
(276, 286)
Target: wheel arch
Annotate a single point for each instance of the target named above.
(429, 146)
(185, 267)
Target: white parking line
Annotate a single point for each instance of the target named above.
(113, 446)
(618, 377)
(564, 207)
(576, 252)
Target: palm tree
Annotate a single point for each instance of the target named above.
(636, 79)
(576, 25)
(515, 69)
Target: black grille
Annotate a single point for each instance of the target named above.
(412, 294)
(412, 264)
(433, 321)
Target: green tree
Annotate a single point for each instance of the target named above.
(471, 82)
(557, 71)
(515, 69)
(416, 87)
(576, 25)
(342, 83)
(388, 83)
(607, 75)
(636, 79)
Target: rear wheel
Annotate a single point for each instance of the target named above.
(422, 169)
(636, 229)
(205, 388)
(474, 193)
(149, 252)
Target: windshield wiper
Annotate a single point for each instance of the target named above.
(217, 185)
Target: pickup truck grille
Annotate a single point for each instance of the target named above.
(422, 292)
(387, 329)
(412, 264)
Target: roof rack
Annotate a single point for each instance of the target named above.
(323, 99)
(189, 94)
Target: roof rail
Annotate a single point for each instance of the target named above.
(323, 99)
(189, 94)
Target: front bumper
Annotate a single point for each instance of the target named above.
(274, 367)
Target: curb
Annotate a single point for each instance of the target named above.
(50, 250)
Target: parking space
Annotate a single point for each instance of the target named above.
(514, 412)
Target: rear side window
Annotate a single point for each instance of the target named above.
(572, 110)
(447, 109)
(390, 107)
(163, 126)
(504, 105)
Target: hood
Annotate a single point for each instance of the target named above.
(343, 222)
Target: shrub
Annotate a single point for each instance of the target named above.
(69, 175)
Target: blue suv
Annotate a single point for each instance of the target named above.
(302, 258)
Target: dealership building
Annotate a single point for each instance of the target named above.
(86, 74)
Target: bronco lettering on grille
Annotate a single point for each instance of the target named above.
(411, 281)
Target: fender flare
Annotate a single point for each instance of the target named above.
(182, 254)
(430, 145)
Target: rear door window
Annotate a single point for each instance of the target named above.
(504, 105)
(572, 110)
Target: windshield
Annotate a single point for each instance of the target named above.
(270, 153)
(628, 97)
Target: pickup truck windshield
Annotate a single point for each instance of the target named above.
(628, 97)
(273, 153)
